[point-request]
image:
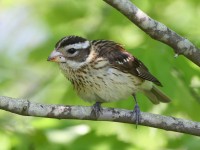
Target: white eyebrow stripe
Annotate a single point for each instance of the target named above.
(81, 45)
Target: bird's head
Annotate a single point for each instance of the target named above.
(71, 51)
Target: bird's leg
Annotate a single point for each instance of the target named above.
(96, 109)
(136, 111)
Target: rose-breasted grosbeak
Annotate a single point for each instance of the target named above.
(103, 71)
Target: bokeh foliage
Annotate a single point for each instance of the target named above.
(28, 33)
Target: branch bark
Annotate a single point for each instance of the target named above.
(157, 30)
(26, 108)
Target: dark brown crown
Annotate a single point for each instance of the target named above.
(68, 40)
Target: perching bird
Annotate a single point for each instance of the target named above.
(103, 71)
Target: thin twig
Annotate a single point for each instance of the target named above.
(26, 108)
(157, 30)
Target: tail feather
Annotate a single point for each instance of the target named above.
(156, 96)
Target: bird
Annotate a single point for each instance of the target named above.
(104, 71)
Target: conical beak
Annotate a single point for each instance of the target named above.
(56, 56)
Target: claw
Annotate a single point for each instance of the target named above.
(136, 112)
(96, 109)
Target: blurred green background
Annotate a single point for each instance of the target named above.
(28, 33)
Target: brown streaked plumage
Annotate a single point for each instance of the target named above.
(103, 71)
(123, 60)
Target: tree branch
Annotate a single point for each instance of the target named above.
(26, 108)
(157, 30)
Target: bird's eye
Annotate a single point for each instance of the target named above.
(71, 50)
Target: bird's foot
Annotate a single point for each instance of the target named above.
(137, 114)
(96, 109)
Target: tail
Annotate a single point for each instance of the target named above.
(156, 96)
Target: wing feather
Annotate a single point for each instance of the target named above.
(124, 61)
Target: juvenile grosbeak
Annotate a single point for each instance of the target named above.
(103, 71)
